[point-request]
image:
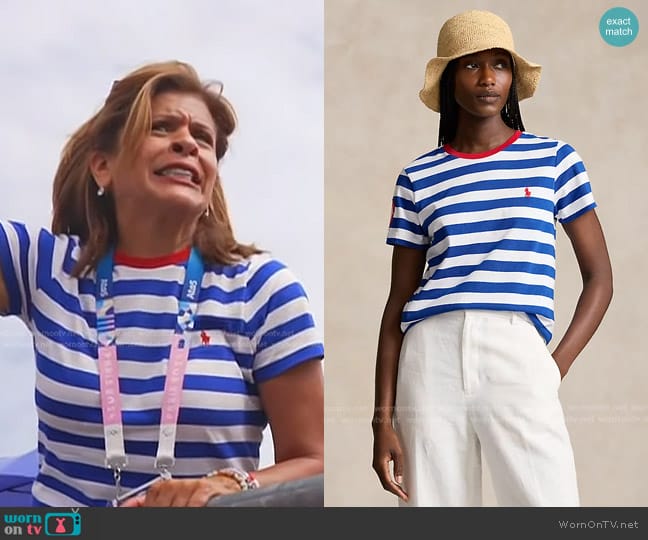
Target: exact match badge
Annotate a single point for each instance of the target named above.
(619, 26)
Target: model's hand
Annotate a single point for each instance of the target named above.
(387, 448)
(194, 492)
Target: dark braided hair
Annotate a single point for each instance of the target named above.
(449, 108)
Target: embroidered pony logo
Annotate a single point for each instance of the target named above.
(527, 192)
(204, 338)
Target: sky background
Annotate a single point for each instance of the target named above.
(59, 60)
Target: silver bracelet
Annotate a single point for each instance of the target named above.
(244, 479)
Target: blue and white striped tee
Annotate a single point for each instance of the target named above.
(252, 324)
(488, 223)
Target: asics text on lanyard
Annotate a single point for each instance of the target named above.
(109, 371)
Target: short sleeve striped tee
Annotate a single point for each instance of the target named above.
(488, 224)
(252, 324)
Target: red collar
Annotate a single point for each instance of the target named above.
(153, 262)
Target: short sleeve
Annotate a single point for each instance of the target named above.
(281, 325)
(17, 260)
(572, 191)
(405, 227)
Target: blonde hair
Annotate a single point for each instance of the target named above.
(121, 125)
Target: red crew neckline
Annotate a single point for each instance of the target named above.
(507, 142)
(152, 262)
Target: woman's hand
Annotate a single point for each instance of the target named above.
(387, 448)
(194, 492)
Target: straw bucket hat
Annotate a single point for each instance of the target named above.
(471, 32)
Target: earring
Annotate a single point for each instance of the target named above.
(100, 191)
(207, 212)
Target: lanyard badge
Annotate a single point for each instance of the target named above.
(111, 406)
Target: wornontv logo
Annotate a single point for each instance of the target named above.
(50, 524)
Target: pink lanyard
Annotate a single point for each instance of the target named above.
(111, 406)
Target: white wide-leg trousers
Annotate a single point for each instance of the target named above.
(482, 381)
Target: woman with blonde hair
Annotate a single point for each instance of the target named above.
(463, 366)
(163, 346)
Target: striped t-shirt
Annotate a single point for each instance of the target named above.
(253, 323)
(488, 223)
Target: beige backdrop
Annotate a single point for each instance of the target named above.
(592, 95)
